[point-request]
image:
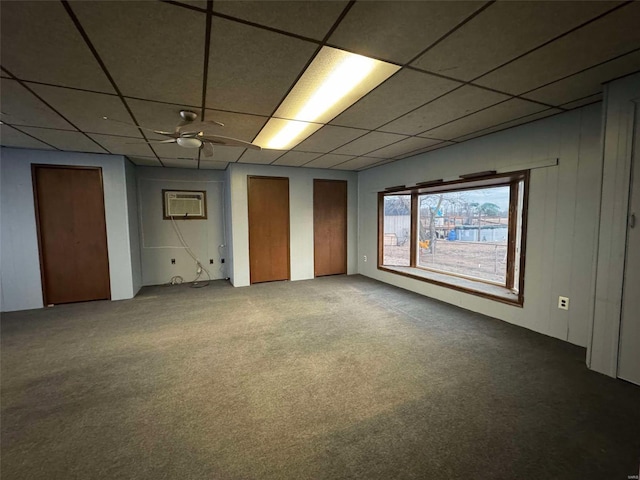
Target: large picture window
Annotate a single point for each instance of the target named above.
(465, 234)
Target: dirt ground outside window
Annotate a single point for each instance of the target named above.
(483, 260)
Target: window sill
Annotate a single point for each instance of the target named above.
(481, 289)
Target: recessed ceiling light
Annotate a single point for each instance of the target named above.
(334, 81)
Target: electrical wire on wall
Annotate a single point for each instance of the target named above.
(197, 283)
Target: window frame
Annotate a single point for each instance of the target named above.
(464, 283)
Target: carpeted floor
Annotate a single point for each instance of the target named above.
(338, 377)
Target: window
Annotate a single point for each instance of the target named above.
(465, 234)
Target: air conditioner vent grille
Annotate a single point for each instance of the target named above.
(184, 204)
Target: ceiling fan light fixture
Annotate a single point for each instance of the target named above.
(334, 81)
(189, 142)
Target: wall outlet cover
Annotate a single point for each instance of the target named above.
(563, 303)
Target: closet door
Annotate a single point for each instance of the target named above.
(330, 227)
(72, 234)
(268, 228)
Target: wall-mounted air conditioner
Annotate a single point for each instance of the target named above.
(184, 204)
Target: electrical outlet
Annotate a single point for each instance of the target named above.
(211, 261)
(365, 258)
(173, 261)
(563, 303)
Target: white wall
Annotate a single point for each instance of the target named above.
(134, 227)
(159, 241)
(563, 214)
(620, 95)
(301, 217)
(228, 216)
(20, 275)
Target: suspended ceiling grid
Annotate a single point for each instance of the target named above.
(468, 69)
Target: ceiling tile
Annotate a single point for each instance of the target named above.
(328, 161)
(145, 161)
(158, 116)
(195, 3)
(408, 145)
(212, 165)
(173, 150)
(357, 163)
(180, 163)
(10, 137)
(329, 138)
(403, 92)
(512, 123)
(583, 101)
(398, 30)
(311, 19)
(86, 109)
(41, 43)
(260, 156)
(65, 139)
(162, 116)
(21, 107)
(368, 143)
(296, 159)
(586, 83)
(502, 32)
(437, 146)
(237, 125)
(123, 145)
(224, 154)
(608, 37)
(456, 104)
(251, 69)
(500, 113)
(158, 50)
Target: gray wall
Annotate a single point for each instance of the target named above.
(563, 214)
(159, 241)
(620, 95)
(20, 275)
(301, 217)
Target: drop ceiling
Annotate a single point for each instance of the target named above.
(467, 69)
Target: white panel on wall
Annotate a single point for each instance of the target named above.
(159, 240)
(561, 239)
(20, 276)
(301, 217)
(620, 98)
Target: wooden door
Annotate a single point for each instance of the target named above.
(330, 227)
(268, 228)
(72, 234)
(629, 346)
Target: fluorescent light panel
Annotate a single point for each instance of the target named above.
(334, 81)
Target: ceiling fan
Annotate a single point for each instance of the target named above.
(190, 133)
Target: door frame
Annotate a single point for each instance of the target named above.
(34, 185)
(634, 163)
(288, 223)
(606, 290)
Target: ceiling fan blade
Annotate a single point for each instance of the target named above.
(168, 140)
(207, 149)
(230, 142)
(159, 132)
